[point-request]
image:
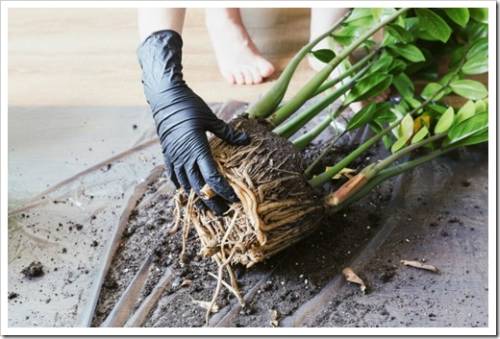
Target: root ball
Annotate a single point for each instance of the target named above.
(277, 207)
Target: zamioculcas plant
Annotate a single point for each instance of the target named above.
(281, 196)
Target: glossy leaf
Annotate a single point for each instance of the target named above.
(479, 47)
(476, 138)
(466, 128)
(460, 16)
(404, 85)
(400, 143)
(324, 55)
(444, 123)
(359, 13)
(414, 103)
(382, 63)
(397, 66)
(363, 116)
(406, 127)
(476, 65)
(469, 89)
(430, 90)
(409, 52)
(399, 33)
(479, 14)
(481, 106)
(370, 86)
(377, 13)
(433, 24)
(420, 135)
(465, 112)
(476, 30)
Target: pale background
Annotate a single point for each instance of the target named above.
(75, 90)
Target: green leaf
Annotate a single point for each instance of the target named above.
(420, 135)
(382, 63)
(406, 127)
(399, 33)
(466, 128)
(465, 112)
(363, 116)
(433, 24)
(359, 13)
(479, 14)
(400, 143)
(436, 108)
(404, 85)
(414, 103)
(476, 65)
(377, 13)
(476, 30)
(479, 47)
(481, 106)
(324, 55)
(460, 16)
(430, 90)
(445, 122)
(469, 89)
(369, 86)
(409, 52)
(476, 138)
(397, 66)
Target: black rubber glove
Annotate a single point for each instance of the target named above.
(182, 119)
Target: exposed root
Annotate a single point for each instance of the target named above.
(277, 207)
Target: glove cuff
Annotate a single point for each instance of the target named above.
(160, 58)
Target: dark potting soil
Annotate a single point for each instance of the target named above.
(33, 270)
(280, 284)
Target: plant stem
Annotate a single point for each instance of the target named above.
(268, 103)
(401, 153)
(301, 142)
(330, 83)
(315, 82)
(330, 172)
(312, 166)
(388, 173)
(356, 183)
(295, 123)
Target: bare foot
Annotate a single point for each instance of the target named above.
(239, 60)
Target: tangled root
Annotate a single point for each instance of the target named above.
(277, 207)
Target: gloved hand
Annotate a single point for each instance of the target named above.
(182, 119)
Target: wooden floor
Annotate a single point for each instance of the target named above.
(86, 57)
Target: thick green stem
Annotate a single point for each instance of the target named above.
(315, 82)
(379, 166)
(360, 64)
(287, 129)
(270, 101)
(301, 142)
(320, 179)
(389, 173)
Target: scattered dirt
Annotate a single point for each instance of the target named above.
(12, 295)
(34, 270)
(281, 283)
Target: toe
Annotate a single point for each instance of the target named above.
(257, 78)
(265, 67)
(247, 75)
(238, 78)
(229, 77)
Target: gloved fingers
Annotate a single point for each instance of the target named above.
(182, 179)
(169, 169)
(197, 182)
(215, 180)
(227, 133)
